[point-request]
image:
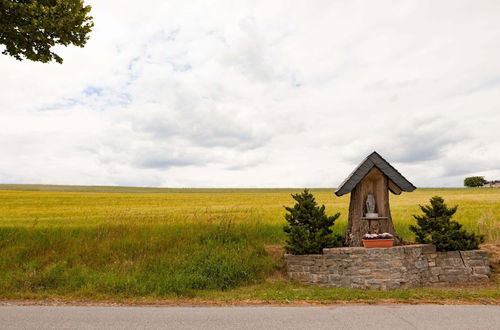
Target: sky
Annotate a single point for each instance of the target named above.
(259, 94)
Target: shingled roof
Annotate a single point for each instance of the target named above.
(375, 160)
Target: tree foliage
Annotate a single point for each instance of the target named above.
(309, 228)
(474, 181)
(436, 227)
(30, 28)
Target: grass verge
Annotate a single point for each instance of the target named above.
(280, 293)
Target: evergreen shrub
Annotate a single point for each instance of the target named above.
(309, 229)
(436, 227)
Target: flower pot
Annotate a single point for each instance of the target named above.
(378, 243)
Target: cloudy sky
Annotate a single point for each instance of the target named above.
(259, 94)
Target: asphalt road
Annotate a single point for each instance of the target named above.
(331, 317)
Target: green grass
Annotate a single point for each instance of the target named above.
(283, 292)
(133, 243)
(131, 260)
(279, 292)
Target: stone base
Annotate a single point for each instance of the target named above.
(389, 268)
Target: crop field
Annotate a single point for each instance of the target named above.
(91, 242)
(73, 206)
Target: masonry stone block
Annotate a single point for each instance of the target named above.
(479, 278)
(421, 264)
(429, 249)
(452, 254)
(401, 266)
(454, 271)
(474, 262)
(481, 270)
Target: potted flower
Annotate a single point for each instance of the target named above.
(383, 240)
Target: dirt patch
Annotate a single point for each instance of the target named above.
(243, 302)
(494, 250)
(277, 253)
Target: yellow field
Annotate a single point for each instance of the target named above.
(479, 209)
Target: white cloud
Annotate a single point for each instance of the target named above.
(259, 94)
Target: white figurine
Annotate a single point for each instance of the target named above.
(370, 207)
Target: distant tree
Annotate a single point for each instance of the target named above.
(436, 227)
(30, 28)
(474, 181)
(309, 229)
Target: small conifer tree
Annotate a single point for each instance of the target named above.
(436, 227)
(309, 228)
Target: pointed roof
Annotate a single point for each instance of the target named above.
(398, 184)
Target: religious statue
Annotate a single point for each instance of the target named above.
(370, 206)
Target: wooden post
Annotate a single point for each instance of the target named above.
(376, 183)
(377, 177)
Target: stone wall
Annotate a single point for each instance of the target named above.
(389, 268)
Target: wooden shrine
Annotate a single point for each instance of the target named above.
(369, 210)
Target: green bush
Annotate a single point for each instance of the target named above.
(436, 227)
(309, 228)
(474, 181)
